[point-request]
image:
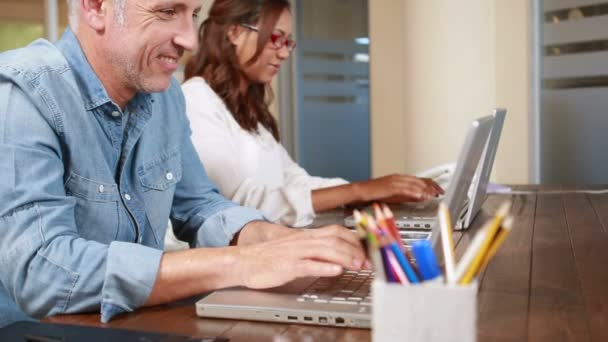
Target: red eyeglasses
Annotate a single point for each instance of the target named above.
(278, 40)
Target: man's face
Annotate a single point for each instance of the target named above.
(144, 50)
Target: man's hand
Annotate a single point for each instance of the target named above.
(266, 255)
(323, 252)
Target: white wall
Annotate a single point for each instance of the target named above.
(435, 65)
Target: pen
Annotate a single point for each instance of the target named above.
(492, 229)
(426, 259)
(447, 243)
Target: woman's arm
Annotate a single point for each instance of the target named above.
(391, 189)
(330, 193)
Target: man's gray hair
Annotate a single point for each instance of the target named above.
(74, 6)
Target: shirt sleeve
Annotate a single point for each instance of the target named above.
(215, 141)
(200, 215)
(294, 174)
(46, 268)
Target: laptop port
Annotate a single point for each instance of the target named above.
(292, 318)
(339, 320)
(308, 319)
(323, 320)
(427, 225)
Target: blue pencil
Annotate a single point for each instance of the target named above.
(409, 271)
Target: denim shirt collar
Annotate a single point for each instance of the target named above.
(93, 92)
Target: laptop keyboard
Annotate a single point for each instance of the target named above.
(408, 237)
(350, 288)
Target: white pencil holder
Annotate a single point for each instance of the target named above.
(431, 311)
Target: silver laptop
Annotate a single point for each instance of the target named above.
(422, 216)
(479, 187)
(344, 300)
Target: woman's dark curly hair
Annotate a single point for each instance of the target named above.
(217, 62)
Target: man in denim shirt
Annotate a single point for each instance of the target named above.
(95, 157)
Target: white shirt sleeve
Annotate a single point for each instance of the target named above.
(296, 175)
(275, 185)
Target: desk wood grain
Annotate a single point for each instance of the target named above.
(549, 281)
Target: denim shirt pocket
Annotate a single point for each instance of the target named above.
(158, 178)
(97, 208)
(161, 173)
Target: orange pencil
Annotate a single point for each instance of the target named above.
(381, 221)
(390, 220)
(394, 232)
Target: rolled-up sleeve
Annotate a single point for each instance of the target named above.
(219, 229)
(130, 275)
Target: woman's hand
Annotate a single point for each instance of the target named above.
(398, 188)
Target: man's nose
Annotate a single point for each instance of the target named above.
(187, 36)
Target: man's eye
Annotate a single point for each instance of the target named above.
(169, 12)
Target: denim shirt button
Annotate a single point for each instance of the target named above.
(127, 197)
(169, 176)
(115, 114)
(101, 188)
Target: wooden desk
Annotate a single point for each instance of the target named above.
(548, 282)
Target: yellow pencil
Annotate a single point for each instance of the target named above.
(447, 242)
(505, 229)
(360, 223)
(492, 229)
(373, 245)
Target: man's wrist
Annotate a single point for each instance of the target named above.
(259, 231)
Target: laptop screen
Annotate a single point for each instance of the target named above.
(466, 166)
(482, 176)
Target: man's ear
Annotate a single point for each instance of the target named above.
(235, 34)
(94, 13)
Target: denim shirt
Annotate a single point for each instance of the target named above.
(84, 204)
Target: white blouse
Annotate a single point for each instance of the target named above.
(252, 169)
